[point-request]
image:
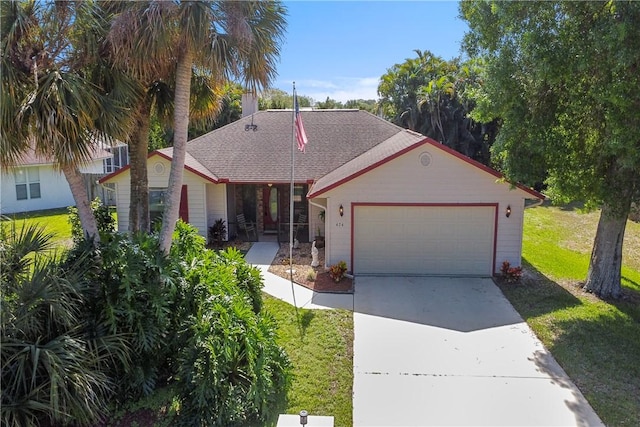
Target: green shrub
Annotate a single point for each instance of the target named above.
(105, 221)
(134, 289)
(231, 371)
(217, 233)
(52, 371)
(124, 318)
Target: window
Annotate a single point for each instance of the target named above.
(156, 203)
(119, 159)
(27, 183)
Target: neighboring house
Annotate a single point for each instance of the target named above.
(394, 200)
(36, 184)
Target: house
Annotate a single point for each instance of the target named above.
(36, 184)
(394, 201)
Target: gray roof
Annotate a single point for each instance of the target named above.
(335, 137)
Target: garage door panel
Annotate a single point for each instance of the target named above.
(446, 240)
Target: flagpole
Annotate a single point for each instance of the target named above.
(293, 131)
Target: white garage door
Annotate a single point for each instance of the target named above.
(438, 240)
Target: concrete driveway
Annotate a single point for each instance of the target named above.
(453, 351)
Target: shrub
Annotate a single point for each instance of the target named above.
(337, 271)
(217, 233)
(230, 371)
(511, 274)
(134, 286)
(105, 221)
(52, 370)
(311, 275)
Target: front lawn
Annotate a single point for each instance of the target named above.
(596, 342)
(321, 349)
(56, 222)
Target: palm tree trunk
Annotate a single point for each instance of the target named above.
(180, 127)
(81, 197)
(605, 267)
(138, 146)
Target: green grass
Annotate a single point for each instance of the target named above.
(558, 242)
(321, 350)
(56, 221)
(596, 342)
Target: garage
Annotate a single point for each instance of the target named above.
(424, 240)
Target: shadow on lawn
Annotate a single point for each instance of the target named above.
(536, 294)
(595, 341)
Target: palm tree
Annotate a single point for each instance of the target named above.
(49, 103)
(222, 39)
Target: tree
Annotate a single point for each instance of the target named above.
(329, 104)
(50, 101)
(369, 105)
(435, 97)
(563, 76)
(221, 39)
(277, 99)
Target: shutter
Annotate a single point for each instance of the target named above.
(184, 205)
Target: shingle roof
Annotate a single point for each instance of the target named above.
(387, 150)
(335, 138)
(192, 165)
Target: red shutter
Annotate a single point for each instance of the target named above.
(184, 205)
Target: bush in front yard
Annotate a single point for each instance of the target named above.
(230, 369)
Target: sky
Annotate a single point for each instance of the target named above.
(340, 49)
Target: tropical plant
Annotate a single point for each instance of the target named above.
(52, 102)
(338, 270)
(510, 274)
(134, 296)
(435, 97)
(105, 222)
(221, 39)
(561, 76)
(217, 233)
(52, 370)
(230, 369)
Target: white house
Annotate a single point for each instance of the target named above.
(36, 184)
(395, 201)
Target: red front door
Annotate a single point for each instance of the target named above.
(271, 208)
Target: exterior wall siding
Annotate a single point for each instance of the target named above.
(445, 180)
(159, 178)
(216, 199)
(54, 189)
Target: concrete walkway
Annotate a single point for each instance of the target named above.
(453, 351)
(262, 254)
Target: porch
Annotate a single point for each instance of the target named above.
(266, 207)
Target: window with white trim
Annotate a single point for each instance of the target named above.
(27, 183)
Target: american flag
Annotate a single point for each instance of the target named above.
(301, 135)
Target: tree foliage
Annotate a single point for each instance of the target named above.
(109, 324)
(52, 371)
(55, 98)
(563, 77)
(277, 99)
(435, 97)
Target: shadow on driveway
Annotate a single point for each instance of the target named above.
(463, 304)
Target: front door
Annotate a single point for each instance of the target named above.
(270, 203)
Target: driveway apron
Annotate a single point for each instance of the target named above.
(453, 351)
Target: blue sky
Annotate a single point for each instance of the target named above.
(340, 49)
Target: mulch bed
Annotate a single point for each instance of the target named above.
(303, 270)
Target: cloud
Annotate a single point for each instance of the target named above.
(341, 89)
